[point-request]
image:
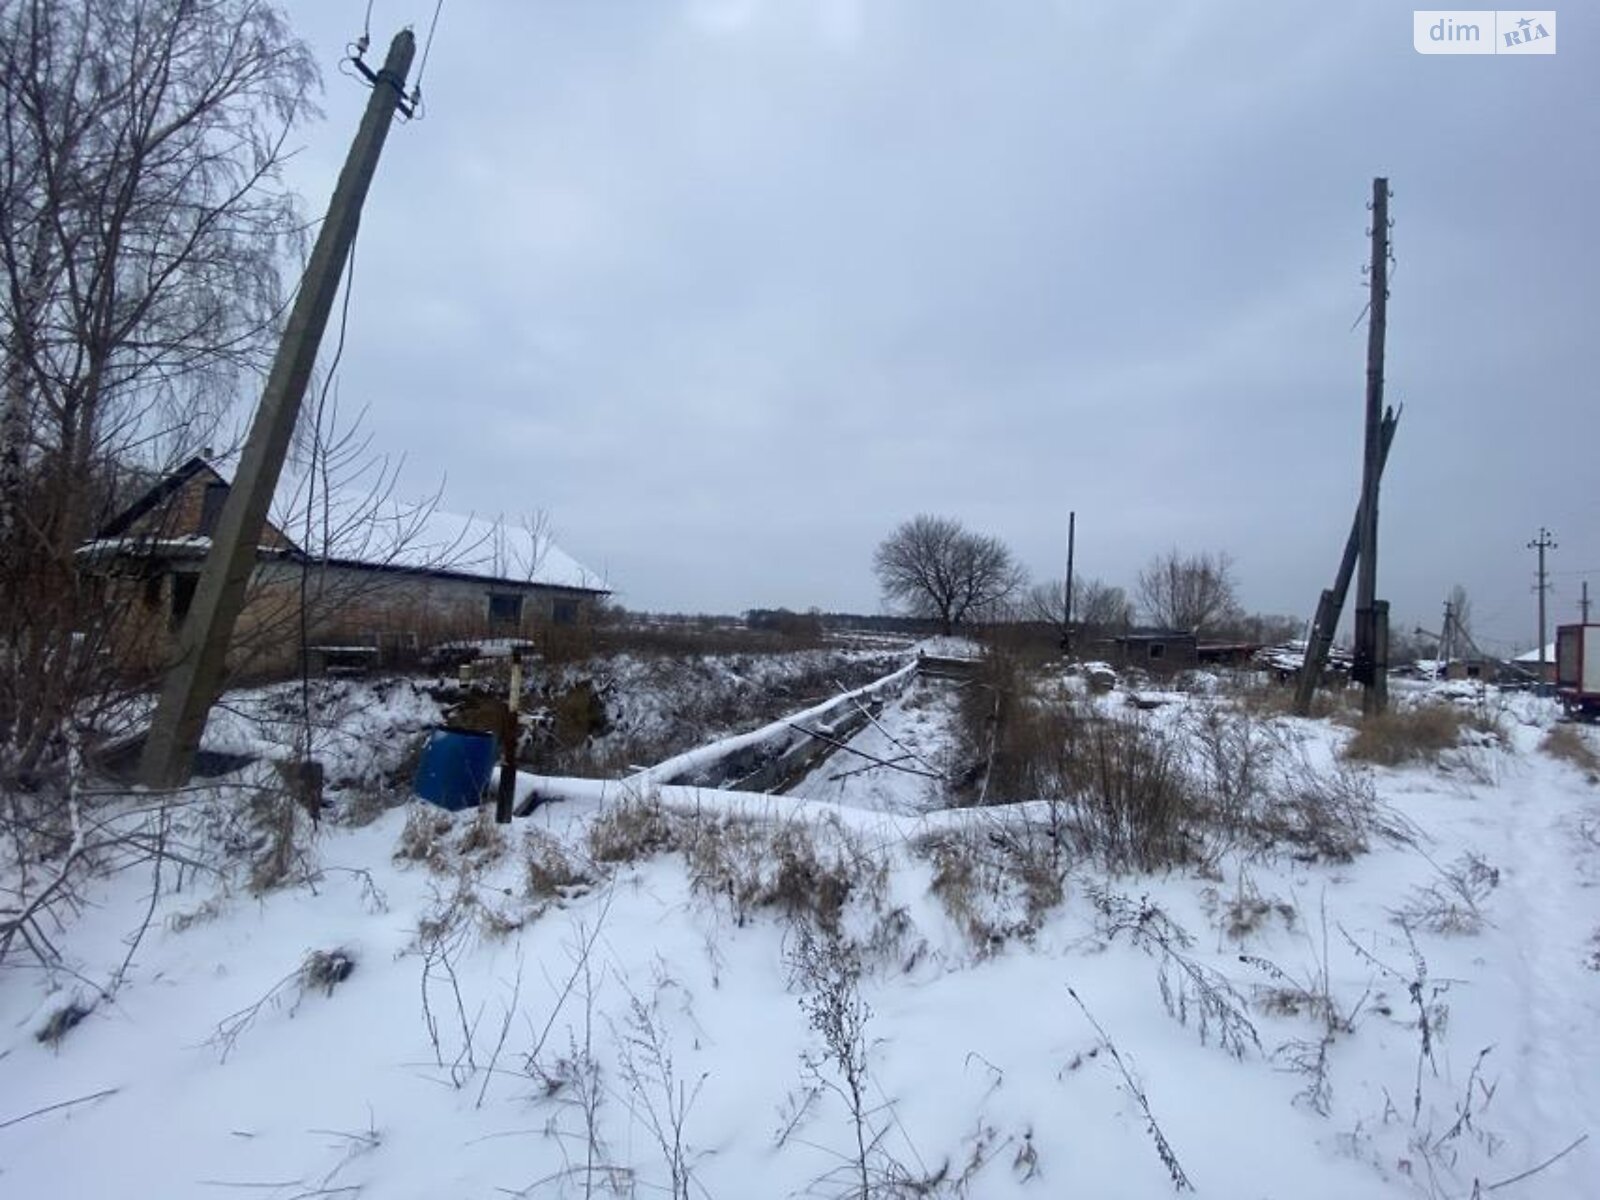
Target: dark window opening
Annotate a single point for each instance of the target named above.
(211, 507)
(564, 612)
(505, 608)
(1158, 650)
(182, 597)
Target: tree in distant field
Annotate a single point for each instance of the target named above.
(935, 567)
(1190, 592)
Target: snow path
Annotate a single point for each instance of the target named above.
(1550, 901)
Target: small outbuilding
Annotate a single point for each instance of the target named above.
(1158, 650)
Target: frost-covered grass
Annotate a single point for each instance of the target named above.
(684, 992)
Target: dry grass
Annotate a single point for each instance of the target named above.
(1267, 699)
(1568, 743)
(803, 873)
(1122, 782)
(996, 883)
(631, 830)
(550, 870)
(425, 837)
(1420, 734)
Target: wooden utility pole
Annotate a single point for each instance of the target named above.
(1542, 543)
(1372, 667)
(1331, 604)
(1072, 538)
(510, 731)
(192, 682)
(1583, 603)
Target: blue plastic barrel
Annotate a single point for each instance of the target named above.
(455, 767)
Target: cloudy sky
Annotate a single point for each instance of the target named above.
(731, 287)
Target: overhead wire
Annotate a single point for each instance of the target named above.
(317, 452)
(419, 110)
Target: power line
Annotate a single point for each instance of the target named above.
(416, 88)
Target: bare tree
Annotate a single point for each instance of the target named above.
(935, 567)
(1190, 592)
(1096, 605)
(142, 225)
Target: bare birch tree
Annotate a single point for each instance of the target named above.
(143, 225)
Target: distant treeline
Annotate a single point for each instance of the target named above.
(783, 620)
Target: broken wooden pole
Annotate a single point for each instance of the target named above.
(1331, 605)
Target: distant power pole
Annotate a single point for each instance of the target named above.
(1072, 539)
(1448, 643)
(1542, 543)
(1372, 631)
(1583, 604)
(192, 682)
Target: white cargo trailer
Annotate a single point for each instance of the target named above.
(1578, 668)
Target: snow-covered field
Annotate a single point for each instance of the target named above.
(717, 994)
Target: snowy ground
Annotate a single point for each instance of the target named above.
(524, 1020)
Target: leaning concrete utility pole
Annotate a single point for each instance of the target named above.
(1372, 638)
(195, 677)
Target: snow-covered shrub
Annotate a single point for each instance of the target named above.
(1452, 903)
(62, 1021)
(1136, 805)
(282, 827)
(1232, 759)
(425, 836)
(806, 873)
(1190, 990)
(1328, 813)
(483, 841)
(630, 830)
(1247, 910)
(550, 868)
(998, 883)
(327, 969)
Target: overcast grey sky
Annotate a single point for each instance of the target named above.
(731, 287)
